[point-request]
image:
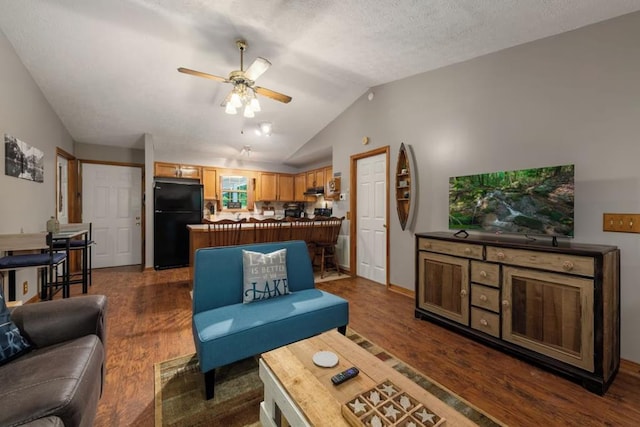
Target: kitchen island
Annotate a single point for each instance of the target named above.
(310, 232)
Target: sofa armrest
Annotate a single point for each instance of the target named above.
(51, 322)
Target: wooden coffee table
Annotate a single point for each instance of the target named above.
(299, 393)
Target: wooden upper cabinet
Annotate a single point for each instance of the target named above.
(328, 176)
(175, 170)
(285, 188)
(267, 186)
(331, 193)
(299, 187)
(275, 187)
(210, 183)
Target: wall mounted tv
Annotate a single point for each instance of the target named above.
(537, 201)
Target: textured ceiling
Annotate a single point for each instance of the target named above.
(108, 67)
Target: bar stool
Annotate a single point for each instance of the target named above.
(80, 244)
(225, 232)
(48, 261)
(266, 230)
(325, 247)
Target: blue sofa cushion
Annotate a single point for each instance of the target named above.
(265, 275)
(237, 331)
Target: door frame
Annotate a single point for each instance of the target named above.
(142, 197)
(353, 207)
(74, 212)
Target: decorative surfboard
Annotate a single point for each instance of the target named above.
(406, 186)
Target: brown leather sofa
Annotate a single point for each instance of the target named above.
(58, 382)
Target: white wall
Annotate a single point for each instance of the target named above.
(572, 98)
(26, 115)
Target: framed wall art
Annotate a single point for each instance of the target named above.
(22, 160)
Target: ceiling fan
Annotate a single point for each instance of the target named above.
(243, 94)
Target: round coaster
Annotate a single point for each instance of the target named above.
(325, 359)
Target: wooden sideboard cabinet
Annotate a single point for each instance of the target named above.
(556, 306)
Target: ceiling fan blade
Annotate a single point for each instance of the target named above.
(257, 68)
(201, 74)
(272, 94)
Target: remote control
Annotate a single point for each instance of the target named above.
(345, 375)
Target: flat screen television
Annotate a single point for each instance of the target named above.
(536, 201)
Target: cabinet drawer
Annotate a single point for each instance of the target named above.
(487, 298)
(563, 263)
(487, 274)
(485, 321)
(450, 248)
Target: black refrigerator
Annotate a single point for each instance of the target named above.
(176, 203)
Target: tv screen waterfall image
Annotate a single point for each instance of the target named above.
(537, 201)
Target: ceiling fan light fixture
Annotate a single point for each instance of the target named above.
(248, 111)
(230, 109)
(255, 104)
(235, 100)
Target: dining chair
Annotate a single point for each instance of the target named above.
(225, 232)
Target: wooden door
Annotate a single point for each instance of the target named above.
(549, 313)
(443, 286)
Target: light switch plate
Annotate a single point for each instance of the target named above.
(621, 222)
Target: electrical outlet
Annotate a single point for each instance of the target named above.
(25, 287)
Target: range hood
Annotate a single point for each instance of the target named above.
(314, 191)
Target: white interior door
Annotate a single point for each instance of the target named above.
(371, 244)
(112, 200)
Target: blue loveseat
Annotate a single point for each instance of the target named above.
(226, 330)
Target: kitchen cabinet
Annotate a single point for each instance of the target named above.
(331, 192)
(285, 188)
(210, 183)
(275, 187)
(299, 187)
(315, 179)
(556, 306)
(174, 170)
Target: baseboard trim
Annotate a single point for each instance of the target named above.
(631, 368)
(400, 290)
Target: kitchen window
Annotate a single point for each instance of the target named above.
(235, 194)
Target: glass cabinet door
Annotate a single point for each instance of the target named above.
(443, 286)
(549, 313)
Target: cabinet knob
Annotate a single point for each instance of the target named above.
(505, 303)
(500, 255)
(467, 251)
(484, 322)
(463, 293)
(567, 266)
(483, 274)
(483, 298)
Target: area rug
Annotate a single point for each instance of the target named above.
(179, 391)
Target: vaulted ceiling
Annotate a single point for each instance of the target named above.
(109, 67)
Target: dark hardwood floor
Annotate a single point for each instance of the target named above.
(149, 320)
